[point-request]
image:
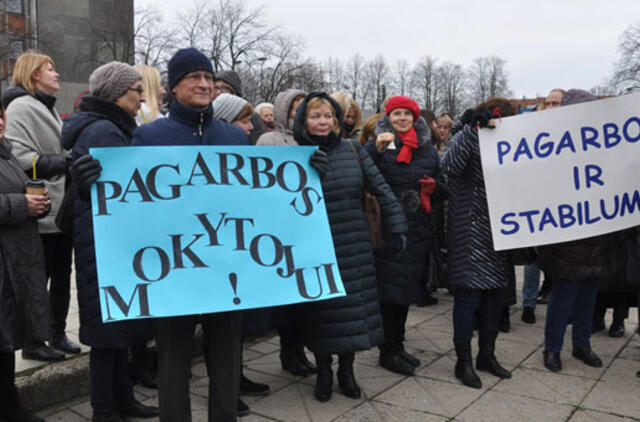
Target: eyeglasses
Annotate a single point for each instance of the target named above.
(196, 76)
(139, 90)
(223, 88)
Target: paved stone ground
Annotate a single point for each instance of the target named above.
(577, 394)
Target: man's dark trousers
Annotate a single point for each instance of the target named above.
(221, 334)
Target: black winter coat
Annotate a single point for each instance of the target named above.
(402, 279)
(473, 261)
(99, 123)
(352, 322)
(595, 257)
(24, 301)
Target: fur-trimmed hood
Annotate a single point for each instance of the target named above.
(281, 107)
(422, 130)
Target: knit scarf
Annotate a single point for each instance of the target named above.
(409, 143)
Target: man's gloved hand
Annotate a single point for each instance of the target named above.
(319, 161)
(49, 165)
(84, 172)
(398, 243)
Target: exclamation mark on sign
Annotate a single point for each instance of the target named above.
(233, 279)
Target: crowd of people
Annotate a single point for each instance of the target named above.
(407, 207)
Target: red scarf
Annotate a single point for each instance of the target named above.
(409, 143)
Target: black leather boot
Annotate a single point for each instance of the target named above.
(252, 388)
(291, 362)
(464, 365)
(486, 360)
(302, 356)
(324, 378)
(143, 366)
(346, 378)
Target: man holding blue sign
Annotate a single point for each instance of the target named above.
(191, 122)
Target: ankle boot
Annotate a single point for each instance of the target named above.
(324, 378)
(302, 357)
(346, 378)
(486, 360)
(291, 363)
(464, 365)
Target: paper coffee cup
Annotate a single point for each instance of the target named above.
(35, 187)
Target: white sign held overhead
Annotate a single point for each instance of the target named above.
(563, 174)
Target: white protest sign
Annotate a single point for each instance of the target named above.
(563, 174)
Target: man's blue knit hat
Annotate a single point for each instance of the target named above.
(185, 61)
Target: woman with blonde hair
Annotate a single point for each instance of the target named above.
(34, 131)
(150, 109)
(346, 324)
(444, 123)
(352, 114)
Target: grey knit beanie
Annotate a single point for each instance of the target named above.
(227, 107)
(232, 78)
(112, 80)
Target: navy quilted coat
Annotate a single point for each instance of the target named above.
(99, 123)
(401, 279)
(473, 262)
(352, 322)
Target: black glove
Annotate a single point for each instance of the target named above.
(50, 165)
(319, 161)
(398, 243)
(466, 116)
(84, 171)
(481, 118)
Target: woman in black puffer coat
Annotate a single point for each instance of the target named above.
(403, 153)
(346, 324)
(478, 273)
(106, 119)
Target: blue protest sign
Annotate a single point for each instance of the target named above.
(186, 230)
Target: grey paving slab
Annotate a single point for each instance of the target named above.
(623, 371)
(617, 398)
(264, 347)
(270, 364)
(514, 353)
(437, 323)
(632, 349)
(400, 414)
(498, 407)
(363, 413)
(591, 416)
(551, 387)
(65, 416)
(436, 341)
(284, 405)
(431, 396)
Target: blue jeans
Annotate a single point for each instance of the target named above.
(531, 285)
(488, 304)
(575, 299)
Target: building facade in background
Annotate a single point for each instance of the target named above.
(79, 35)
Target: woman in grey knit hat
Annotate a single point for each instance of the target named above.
(106, 118)
(233, 109)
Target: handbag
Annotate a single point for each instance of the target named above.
(377, 235)
(64, 217)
